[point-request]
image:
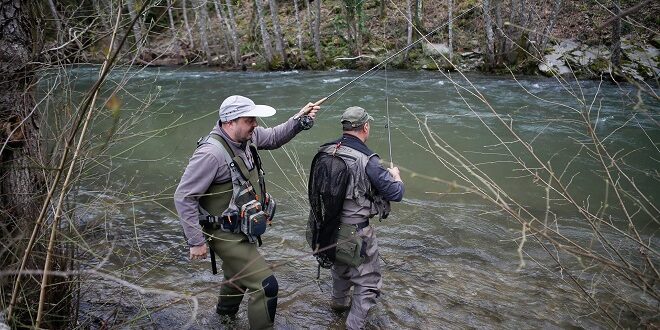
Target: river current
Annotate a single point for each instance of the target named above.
(449, 258)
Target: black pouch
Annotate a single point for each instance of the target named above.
(230, 223)
(349, 246)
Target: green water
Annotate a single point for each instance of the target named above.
(449, 257)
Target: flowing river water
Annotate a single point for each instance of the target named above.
(449, 258)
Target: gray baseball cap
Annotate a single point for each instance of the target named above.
(237, 106)
(355, 116)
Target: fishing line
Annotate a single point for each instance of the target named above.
(387, 112)
(389, 58)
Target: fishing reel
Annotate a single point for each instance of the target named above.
(306, 122)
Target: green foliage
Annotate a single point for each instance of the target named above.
(600, 65)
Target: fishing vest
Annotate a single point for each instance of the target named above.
(243, 199)
(359, 187)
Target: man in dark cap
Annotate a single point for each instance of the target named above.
(222, 200)
(369, 189)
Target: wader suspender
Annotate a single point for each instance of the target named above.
(239, 173)
(230, 163)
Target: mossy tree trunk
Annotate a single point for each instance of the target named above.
(299, 37)
(265, 35)
(238, 60)
(490, 38)
(317, 32)
(203, 15)
(222, 19)
(550, 26)
(279, 37)
(616, 35)
(187, 24)
(353, 12)
(409, 29)
(137, 28)
(450, 29)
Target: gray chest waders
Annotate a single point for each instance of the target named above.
(246, 211)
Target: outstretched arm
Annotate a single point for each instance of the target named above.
(275, 137)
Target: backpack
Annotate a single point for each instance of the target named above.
(328, 180)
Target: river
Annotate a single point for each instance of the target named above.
(449, 258)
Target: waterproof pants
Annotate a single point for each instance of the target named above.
(365, 280)
(245, 273)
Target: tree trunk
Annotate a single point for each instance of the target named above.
(499, 32)
(490, 39)
(238, 60)
(616, 36)
(359, 26)
(265, 36)
(299, 37)
(450, 26)
(56, 20)
(279, 38)
(137, 28)
(310, 20)
(317, 32)
(222, 19)
(203, 14)
(350, 8)
(417, 15)
(508, 45)
(21, 186)
(185, 21)
(524, 24)
(551, 26)
(22, 182)
(175, 40)
(409, 34)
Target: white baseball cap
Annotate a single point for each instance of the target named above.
(237, 106)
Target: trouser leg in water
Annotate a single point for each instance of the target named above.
(246, 273)
(365, 279)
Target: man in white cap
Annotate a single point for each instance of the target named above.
(222, 200)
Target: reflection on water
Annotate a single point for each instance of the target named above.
(449, 260)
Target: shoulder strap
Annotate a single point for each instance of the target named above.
(226, 153)
(222, 146)
(235, 162)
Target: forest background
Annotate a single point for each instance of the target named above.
(523, 36)
(45, 138)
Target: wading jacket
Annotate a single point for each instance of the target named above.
(371, 186)
(206, 168)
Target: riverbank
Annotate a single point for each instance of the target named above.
(640, 61)
(573, 38)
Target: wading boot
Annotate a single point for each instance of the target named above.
(226, 315)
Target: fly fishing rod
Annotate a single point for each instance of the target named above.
(387, 112)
